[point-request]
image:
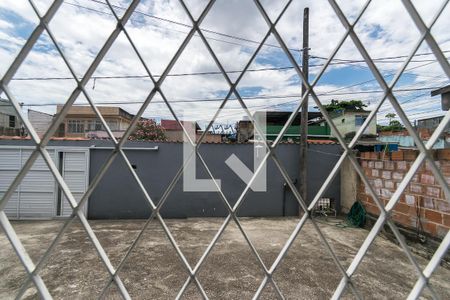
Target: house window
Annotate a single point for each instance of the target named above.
(75, 126)
(12, 121)
(359, 120)
(112, 124)
(94, 125)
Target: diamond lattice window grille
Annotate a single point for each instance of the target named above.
(33, 269)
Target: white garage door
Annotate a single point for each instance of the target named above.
(38, 195)
(9, 167)
(37, 190)
(75, 166)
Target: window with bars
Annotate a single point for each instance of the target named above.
(12, 121)
(113, 124)
(75, 126)
(94, 125)
(359, 120)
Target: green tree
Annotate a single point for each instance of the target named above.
(390, 116)
(148, 130)
(394, 125)
(349, 105)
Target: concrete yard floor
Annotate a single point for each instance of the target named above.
(153, 270)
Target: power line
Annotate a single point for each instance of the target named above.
(180, 24)
(279, 104)
(156, 75)
(382, 58)
(242, 38)
(387, 75)
(245, 98)
(264, 106)
(329, 93)
(339, 61)
(426, 112)
(409, 100)
(207, 73)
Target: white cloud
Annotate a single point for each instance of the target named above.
(5, 25)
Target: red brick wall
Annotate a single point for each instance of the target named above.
(423, 199)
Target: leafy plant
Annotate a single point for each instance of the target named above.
(394, 125)
(390, 116)
(148, 130)
(348, 105)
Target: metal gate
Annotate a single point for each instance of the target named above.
(35, 196)
(38, 195)
(33, 269)
(75, 171)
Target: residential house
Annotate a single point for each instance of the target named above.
(173, 130)
(424, 128)
(401, 137)
(40, 121)
(81, 121)
(430, 123)
(349, 121)
(212, 137)
(275, 121)
(445, 96)
(10, 123)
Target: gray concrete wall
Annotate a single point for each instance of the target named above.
(118, 196)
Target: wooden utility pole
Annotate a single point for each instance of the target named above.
(303, 174)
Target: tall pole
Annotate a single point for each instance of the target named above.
(303, 174)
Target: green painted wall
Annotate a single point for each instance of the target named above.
(294, 131)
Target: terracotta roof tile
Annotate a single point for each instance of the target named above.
(312, 142)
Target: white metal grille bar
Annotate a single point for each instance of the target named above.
(237, 95)
(384, 217)
(153, 207)
(90, 71)
(41, 143)
(310, 89)
(23, 256)
(29, 44)
(355, 162)
(92, 187)
(391, 97)
(205, 165)
(94, 106)
(72, 72)
(360, 173)
(222, 196)
(411, 172)
(429, 38)
(431, 267)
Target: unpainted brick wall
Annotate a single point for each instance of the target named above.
(423, 200)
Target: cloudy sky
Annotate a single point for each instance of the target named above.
(233, 28)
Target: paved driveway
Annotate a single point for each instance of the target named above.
(153, 270)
